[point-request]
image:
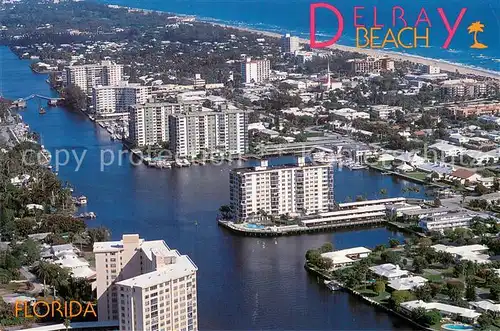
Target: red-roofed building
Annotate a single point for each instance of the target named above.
(463, 176)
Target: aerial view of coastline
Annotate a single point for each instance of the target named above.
(249, 165)
(293, 17)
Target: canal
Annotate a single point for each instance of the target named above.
(244, 283)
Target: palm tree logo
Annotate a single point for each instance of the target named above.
(475, 28)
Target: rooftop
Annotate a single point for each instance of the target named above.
(181, 267)
(388, 270)
(409, 283)
(342, 256)
(464, 312)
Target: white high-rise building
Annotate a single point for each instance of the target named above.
(255, 71)
(295, 189)
(145, 285)
(117, 98)
(290, 44)
(430, 69)
(89, 75)
(149, 122)
(212, 132)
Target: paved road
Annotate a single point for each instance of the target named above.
(37, 286)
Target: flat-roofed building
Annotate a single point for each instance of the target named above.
(149, 122)
(407, 284)
(300, 188)
(117, 98)
(255, 71)
(346, 257)
(466, 314)
(145, 285)
(89, 75)
(214, 132)
(448, 221)
(389, 271)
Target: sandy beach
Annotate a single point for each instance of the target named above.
(445, 66)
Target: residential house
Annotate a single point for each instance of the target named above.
(389, 271)
(463, 176)
(346, 257)
(466, 315)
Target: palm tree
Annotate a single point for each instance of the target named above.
(43, 271)
(67, 323)
(475, 28)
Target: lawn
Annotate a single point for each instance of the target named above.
(433, 278)
(417, 175)
(369, 293)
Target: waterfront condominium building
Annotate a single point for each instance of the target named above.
(89, 75)
(117, 98)
(255, 71)
(294, 189)
(290, 44)
(145, 285)
(221, 132)
(149, 122)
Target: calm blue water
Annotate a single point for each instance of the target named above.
(244, 283)
(293, 17)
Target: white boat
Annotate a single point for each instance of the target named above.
(81, 200)
(185, 163)
(356, 166)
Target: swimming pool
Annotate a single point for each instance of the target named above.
(461, 327)
(254, 226)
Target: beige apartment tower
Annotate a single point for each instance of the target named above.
(145, 285)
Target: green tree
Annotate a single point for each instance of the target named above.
(495, 291)
(74, 97)
(313, 255)
(393, 243)
(226, 212)
(455, 290)
(324, 263)
(27, 252)
(98, 234)
(398, 297)
(326, 247)
(419, 264)
(431, 317)
(390, 257)
(424, 292)
(485, 321)
(470, 291)
(379, 287)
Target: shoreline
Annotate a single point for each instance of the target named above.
(447, 66)
(365, 299)
(444, 65)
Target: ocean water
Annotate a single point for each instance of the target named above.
(293, 17)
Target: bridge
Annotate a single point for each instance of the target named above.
(41, 97)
